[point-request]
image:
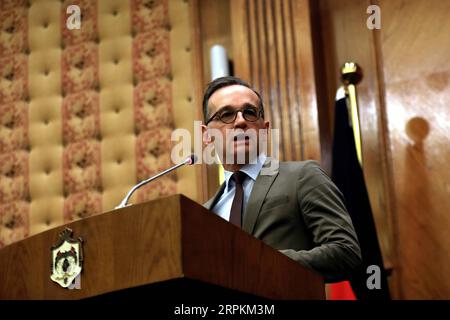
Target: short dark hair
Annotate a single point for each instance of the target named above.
(222, 82)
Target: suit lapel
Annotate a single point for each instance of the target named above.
(212, 202)
(260, 189)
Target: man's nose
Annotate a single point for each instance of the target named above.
(240, 120)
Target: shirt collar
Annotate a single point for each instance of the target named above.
(251, 169)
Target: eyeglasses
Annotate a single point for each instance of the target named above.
(228, 114)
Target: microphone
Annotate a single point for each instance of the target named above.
(189, 161)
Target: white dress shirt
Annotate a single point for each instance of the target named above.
(223, 206)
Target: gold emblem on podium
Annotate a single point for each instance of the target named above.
(67, 259)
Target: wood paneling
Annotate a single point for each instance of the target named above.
(202, 173)
(415, 48)
(273, 50)
(292, 52)
(265, 44)
(346, 38)
(215, 29)
(404, 115)
(211, 25)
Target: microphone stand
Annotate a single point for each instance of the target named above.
(189, 160)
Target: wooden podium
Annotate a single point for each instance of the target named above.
(170, 248)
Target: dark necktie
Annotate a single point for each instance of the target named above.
(238, 201)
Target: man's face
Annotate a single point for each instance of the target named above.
(240, 137)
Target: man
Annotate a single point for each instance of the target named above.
(293, 207)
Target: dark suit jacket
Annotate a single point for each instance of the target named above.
(297, 209)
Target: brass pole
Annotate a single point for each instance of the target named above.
(351, 75)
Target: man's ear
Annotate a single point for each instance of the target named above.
(206, 137)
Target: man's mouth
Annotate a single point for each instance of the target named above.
(241, 138)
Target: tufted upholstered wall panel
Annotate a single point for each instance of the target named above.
(86, 114)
